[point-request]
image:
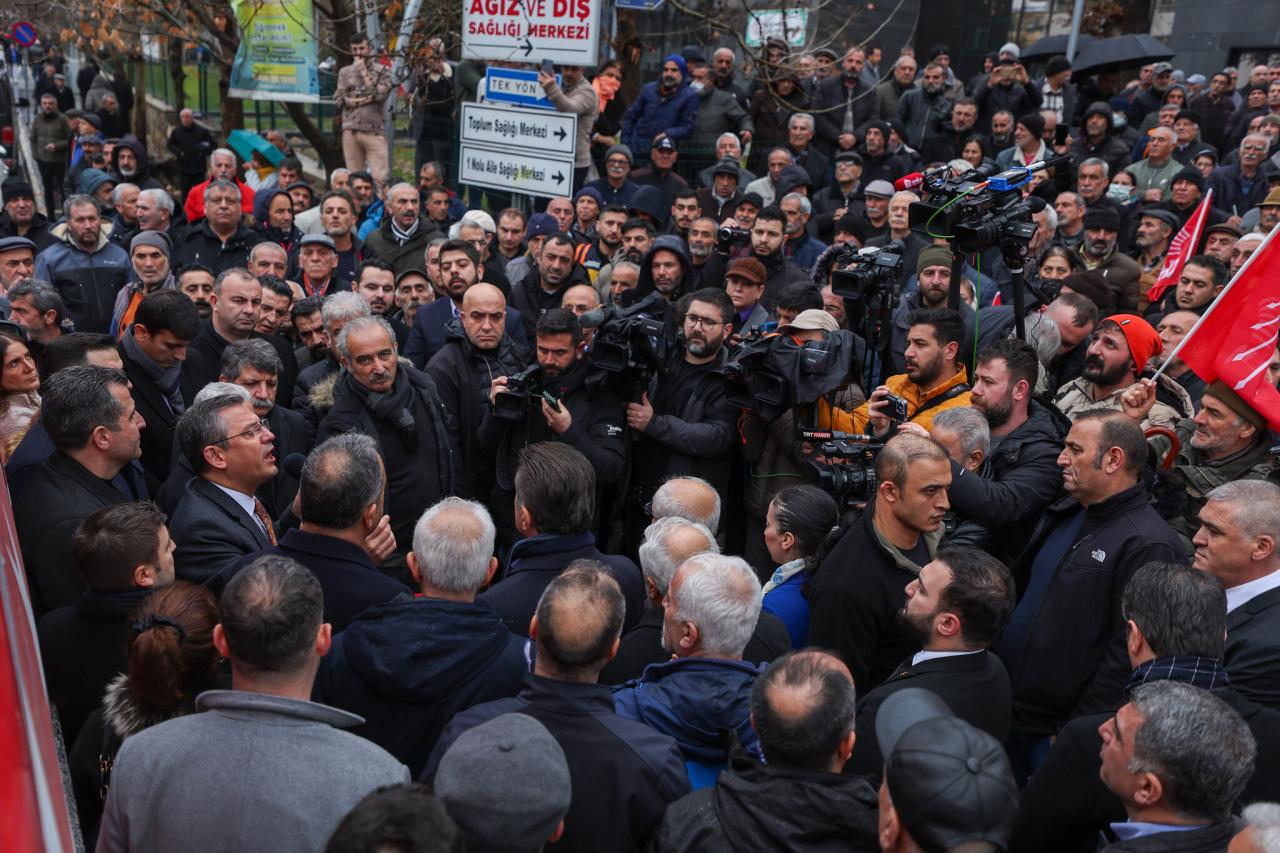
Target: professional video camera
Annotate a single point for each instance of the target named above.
(727, 236)
(870, 282)
(852, 480)
(773, 374)
(630, 340)
(511, 403)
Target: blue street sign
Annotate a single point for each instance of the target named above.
(516, 86)
(24, 34)
(640, 5)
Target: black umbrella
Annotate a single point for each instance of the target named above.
(1052, 46)
(1120, 52)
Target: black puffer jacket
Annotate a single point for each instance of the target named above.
(142, 177)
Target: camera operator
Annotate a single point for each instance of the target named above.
(684, 422)
(1026, 439)
(476, 349)
(766, 237)
(562, 406)
(934, 381)
(933, 276)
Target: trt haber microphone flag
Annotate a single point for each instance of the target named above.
(1182, 248)
(1236, 337)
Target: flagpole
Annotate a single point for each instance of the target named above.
(1213, 305)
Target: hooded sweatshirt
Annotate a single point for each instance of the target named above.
(142, 177)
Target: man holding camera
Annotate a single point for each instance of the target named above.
(684, 423)
(558, 406)
(766, 237)
(934, 380)
(933, 277)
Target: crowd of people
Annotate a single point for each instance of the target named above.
(395, 515)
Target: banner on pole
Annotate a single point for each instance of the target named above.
(277, 57)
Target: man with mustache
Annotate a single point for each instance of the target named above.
(1118, 353)
(376, 284)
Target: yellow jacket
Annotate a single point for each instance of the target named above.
(856, 421)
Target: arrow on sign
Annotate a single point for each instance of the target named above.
(528, 47)
(560, 134)
(559, 178)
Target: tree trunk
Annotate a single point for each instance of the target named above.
(140, 97)
(329, 151)
(232, 108)
(178, 74)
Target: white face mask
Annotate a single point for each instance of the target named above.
(697, 85)
(1118, 192)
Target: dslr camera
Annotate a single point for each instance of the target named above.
(726, 236)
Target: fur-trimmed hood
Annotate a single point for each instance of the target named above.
(127, 714)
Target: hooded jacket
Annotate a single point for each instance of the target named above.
(651, 200)
(654, 111)
(38, 232)
(87, 280)
(644, 283)
(409, 665)
(142, 177)
(755, 807)
(261, 204)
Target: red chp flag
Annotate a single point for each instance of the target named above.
(1235, 338)
(1182, 248)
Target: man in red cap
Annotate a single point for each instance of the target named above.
(1116, 358)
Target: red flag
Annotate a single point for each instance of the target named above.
(1182, 248)
(1235, 338)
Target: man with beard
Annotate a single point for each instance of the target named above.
(701, 240)
(933, 273)
(130, 163)
(935, 379)
(1172, 328)
(50, 137)
(768, 234)
(683, 422)
(149, 260)
(948, 142)
(1098, 251)
(543, 286)
(273, 210)
(376, 284)
(684, 210)
(956, 607)
(222, 241)
(413, 290)
(398, 406)
(196, 283)
(86, 268)
(476, 349)
(563, 407)
(665, 270)
(1026, 437)
(19, 218)
(460, 269)
(309, 326)
(923, 109)
(594, 255)
(1117, 355)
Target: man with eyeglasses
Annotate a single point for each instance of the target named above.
(1242, 185)
(684, 424)
(219, 519)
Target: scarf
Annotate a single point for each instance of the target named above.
(167, 379)
(606, 87)
(394, 406)
(1207, 673)
(403, 237)
(784, 573)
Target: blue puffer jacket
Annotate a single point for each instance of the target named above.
(87, 281)
(654, 112)
(695, 700)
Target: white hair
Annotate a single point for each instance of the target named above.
(163, 200)
(666, 501)
(1264, 820)
(343, 306)
(655, 558)
(221, 389)
(453, 543)
(806, 206)
(119, 191)
(804, 117)
(721, 596)
(357, 325)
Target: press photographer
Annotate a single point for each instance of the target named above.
(766, 239)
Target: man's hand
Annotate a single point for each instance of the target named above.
(846, 141)
(839, 213)
(909, 428)
(381, 543)
(495, 386)
(558, 421)
(1063, 148)
(1138, 398)
(745, 136)
(662, 135)
(876, 405)
(546, 81)
(640, 414)
(1153, 195)
(48, 146)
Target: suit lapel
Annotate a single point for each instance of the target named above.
(231, 508)
(1251, 608)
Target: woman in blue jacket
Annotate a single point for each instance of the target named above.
(798, 520)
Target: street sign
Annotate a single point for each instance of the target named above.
(532, 131)
(24, 33)
(549, 175)
(565, 31)
(517, 86)
(640, 5)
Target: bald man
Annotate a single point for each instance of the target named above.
(580, 299)
(476, 349)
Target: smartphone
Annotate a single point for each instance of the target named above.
(551, 401)
(897, 408)
(548, 67)
(1060, 134)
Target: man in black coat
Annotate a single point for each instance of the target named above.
(95, 428)
(313, 391)
(1176, 618)
(402, 237)
(398, 407)
(1064, 647)
(222, 240)
(122, 552)
(861, 582)
(218, 519)
(767, 237)
(842, 105)
(477, 349)
(544, 285)
(625, 774)
(1236, 543)
(191, 144)
(164, 373)
(408, 666)
(957, 607)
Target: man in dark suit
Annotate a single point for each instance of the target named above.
(164, 373)
(254, 366)
(957, 606)
(343, 491)
(1176, 619)
(96, 432)
(1237, 544)
(218, 520)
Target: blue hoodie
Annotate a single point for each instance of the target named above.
(654, 111)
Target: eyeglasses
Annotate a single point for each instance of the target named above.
(254, 431)
(701, 322)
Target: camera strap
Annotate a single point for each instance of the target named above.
(950, 394)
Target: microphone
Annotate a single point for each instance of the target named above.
(1035, 203)
(909, 182)
(592, 319)
(292, 465)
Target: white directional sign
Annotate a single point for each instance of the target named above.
(532, 131)
(565, 31)
(515, 171)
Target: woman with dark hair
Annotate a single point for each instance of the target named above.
(772, 106)
(19, 393)
(1056, 263)
(798, 521)
(607, 81)
(171, 661)
(975, 151)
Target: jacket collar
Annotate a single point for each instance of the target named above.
(658, 671)
(567, 697)
(243, 703)
(326, 547)
(109, 605)
(547, 543)
(890, 550)
(103, 490)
